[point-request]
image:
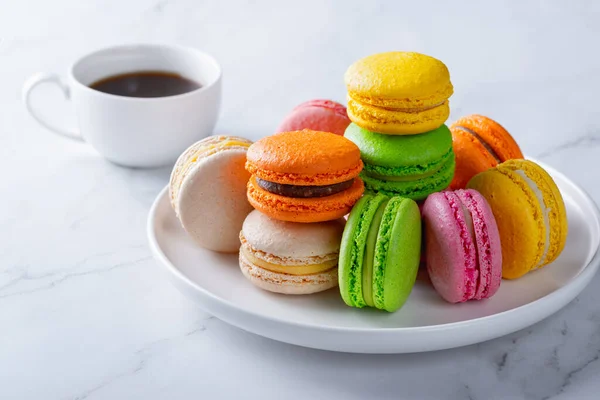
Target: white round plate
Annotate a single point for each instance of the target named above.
(425, 323)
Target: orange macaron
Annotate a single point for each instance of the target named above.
(304, 176)
(479, 143)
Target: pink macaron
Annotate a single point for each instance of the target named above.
(462, 244)
(318, 115)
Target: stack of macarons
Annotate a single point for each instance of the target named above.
(398, 103)
(302, 183)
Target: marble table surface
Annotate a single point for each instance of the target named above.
(85, 312)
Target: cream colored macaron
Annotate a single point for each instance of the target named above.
(290, 257)
(208, 191)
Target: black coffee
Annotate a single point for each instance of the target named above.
(146, 84)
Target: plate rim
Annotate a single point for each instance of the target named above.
(586, 274)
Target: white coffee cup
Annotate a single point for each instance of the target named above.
(132, 131)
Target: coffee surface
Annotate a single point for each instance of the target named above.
(146, 84)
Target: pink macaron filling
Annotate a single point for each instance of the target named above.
(489, 252)
(464, 226)
(451, 254)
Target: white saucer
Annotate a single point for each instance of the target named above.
(425, 322)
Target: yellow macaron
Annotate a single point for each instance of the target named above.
(398, 93)
(530, 212)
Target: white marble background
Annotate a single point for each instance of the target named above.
(84, 310)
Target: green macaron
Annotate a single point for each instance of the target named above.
(412, 166)
(380, 252)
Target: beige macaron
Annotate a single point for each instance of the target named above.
(208, 191)
(290, 257)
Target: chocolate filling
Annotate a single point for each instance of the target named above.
(303, 191)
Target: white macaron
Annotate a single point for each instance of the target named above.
(290, 257)
(208, 191)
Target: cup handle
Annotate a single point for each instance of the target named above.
(30, 85)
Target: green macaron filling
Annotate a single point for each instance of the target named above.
(418, 189)
(408, 174)
(380, 252)
(367, 269)
(353, 248)
(397, 254)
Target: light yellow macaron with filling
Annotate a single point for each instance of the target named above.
(208, 191)
(290, 257)
(530, 213)
(398, 93)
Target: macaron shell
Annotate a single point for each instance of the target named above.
(199, 150)
(451, 253)
(553, 201)
(494, 134)
(304, 209)
(334, 106)
(518, 216)
(413, 154)
(318, 115)
(212, 202)
(399, 80)
(285, 283)
(284, 242)
(487, 238)
(397, 122)
(397, 254)
(306, 157)
(471, 158)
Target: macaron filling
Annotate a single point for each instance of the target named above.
(381, 249)
(483, 246)
(417, 189)
(545, 212)
(369, 256)
(290, 266)
(419, 107)
(409, 173)
(308, 269)
(476, 136)
(464, 221)
(303, 191)
(353, 248)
